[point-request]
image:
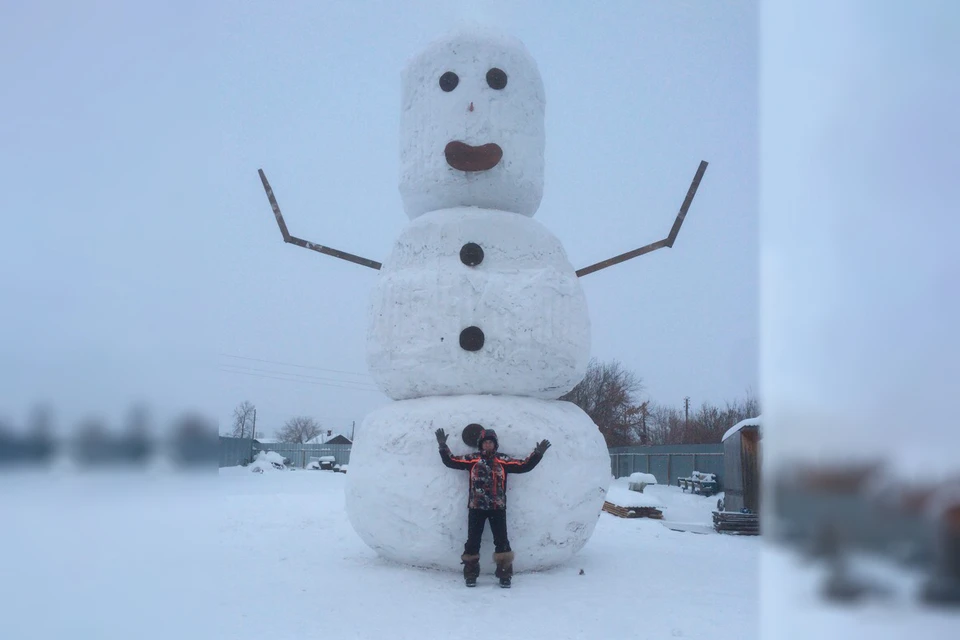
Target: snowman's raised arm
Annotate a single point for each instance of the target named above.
(306, 244)
(659, 244)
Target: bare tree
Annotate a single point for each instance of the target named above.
(243, 417)
(608, 394)
(300, 429)
(668, 425)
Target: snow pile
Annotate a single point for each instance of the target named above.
(524, 296)
(642, 478)
(267, 461)
(405, 504)
(623, 497)
(704, 477)
(477, 114)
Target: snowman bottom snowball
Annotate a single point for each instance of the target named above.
(410, 508)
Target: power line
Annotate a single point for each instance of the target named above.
(321, 384)
(300, 375)
(290, 364)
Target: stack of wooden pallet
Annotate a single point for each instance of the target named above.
(747, 524)
(633, 512)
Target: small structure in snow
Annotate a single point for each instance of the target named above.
(625, 503)
(268, 460)
(704, 484)
(943, 588)
(741, 469)
(639, 480)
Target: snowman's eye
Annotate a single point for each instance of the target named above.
(449, 81)
(496, 78)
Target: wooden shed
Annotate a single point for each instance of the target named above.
(739, 511)
(741, 466)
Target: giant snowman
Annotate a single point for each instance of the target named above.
(477, 320)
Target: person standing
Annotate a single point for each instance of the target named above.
(488, 499)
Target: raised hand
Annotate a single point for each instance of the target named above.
(541, 447)
(441, 437)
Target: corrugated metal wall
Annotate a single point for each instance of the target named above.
(236, 451)
(300, 454)
(668, 463)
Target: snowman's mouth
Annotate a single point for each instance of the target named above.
(464, 157)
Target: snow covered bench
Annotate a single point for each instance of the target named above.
(640, 480)
(703, 483)
(326, 463)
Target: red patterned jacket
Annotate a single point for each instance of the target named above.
(488, 475)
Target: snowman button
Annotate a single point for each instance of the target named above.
(471, 254)
(471, 339)
(471, 434)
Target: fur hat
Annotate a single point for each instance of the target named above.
(488, 434)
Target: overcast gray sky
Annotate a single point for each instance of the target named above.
(144, 256)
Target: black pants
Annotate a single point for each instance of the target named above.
(498, 525)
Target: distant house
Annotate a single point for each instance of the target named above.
(338, 439)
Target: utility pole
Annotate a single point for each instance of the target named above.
(643, 423)
(254, 435)
(353, 426)
(686, 411)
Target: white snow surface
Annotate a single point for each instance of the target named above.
(525, 296)
(623, 497)
(793, 609)
(313, 577)
(749, 422)
(640, 476)
(410, 508)
(512, 117)
(265, 460)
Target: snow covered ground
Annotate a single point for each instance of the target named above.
(792, 608)
(298, 570)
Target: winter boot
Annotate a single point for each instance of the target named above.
(504, 571)
(471, 568)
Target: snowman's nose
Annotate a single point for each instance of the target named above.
(470, 108)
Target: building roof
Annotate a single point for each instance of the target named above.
(749, 422)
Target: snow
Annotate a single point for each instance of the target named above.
(410, 508)
(266, 461)
(647, 478)
(525, 296)
(623, 497)
(749, 422)
(512, 118)
(705, 477)
(313, 576)
(791, 606)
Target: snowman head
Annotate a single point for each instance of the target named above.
(472, 125)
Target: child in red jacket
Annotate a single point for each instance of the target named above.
(488, 499)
